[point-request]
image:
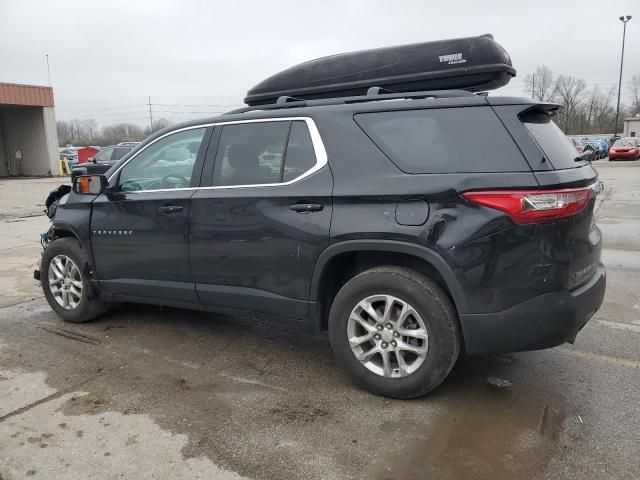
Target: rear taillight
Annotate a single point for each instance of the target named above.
(533, 206)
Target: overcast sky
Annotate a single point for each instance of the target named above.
(107, 57)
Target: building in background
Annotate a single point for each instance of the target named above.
(28, 136)
(632, 127)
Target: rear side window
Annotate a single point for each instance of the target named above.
(555, 145)
(447, 140)
(300, 155)
(263, 153)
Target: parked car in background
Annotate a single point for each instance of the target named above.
(103, 160)
(625, 149)
(70, 154)
(601, 146)
(586, 151)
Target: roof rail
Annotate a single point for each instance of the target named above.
(373, 94)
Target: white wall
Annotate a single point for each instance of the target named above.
(51, 133)
(32, 130)
(631, 126)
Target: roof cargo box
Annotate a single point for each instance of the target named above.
(473, 63)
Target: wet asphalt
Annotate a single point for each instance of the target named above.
(147, 392)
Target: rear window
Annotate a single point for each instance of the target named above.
(555, 145)
(446, 140)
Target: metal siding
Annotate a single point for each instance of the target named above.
(631, 125)
(4, 168)
(51, 133)
(32, 95)
(24, 129)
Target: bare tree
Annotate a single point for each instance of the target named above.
(634, 93)
(158, 124)
(121, 132)
(89, 130)
(64, 132)
(540, 84)
(569, 92)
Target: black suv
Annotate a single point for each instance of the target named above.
(410, 226)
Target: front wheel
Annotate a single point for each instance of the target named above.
(395, 331)
(64, 273)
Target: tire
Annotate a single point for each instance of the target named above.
(431, 305)
(81, 307)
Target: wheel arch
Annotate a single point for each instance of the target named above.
(341, 261)
(63, 229)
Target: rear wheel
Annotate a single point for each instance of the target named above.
(65, 282)
(395, 332)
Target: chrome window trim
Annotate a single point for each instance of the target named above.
(316, 140)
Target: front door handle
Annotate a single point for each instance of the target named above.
(170, 209)
(306, 207)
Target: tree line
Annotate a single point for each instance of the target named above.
(84, 132)
(586, 110)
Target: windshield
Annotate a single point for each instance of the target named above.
(104, 155)
(625, 142)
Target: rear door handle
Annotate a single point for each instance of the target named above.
(170, 209)
(306, 207)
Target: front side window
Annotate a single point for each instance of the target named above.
(166, 164)
(263, 153)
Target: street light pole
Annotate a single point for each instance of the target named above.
(624, 20)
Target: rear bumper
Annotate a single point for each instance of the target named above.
(541, 322)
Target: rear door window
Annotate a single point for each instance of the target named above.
(555, 145)
(263, 153)
(445, 140)
(300, 155)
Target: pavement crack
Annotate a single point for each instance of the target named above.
(24, 302)
(48, 398)
(71, 335)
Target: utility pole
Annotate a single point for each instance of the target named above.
(150, 117)
(48, 71)
(624, 20)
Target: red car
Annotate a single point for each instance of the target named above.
(625, 149)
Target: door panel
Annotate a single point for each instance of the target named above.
(140, 228)
(251, 251)
(138, 249)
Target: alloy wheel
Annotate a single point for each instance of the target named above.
(65, 282)
(388, 336)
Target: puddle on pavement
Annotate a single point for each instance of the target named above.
(482, 432)
(45, 442)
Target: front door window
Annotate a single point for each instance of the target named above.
(166, 164)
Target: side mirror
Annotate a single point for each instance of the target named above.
(91, 159)
(90, 184)
(585, 156)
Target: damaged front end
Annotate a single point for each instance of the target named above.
(51, 206)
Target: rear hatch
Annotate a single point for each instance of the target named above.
(564, 206)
